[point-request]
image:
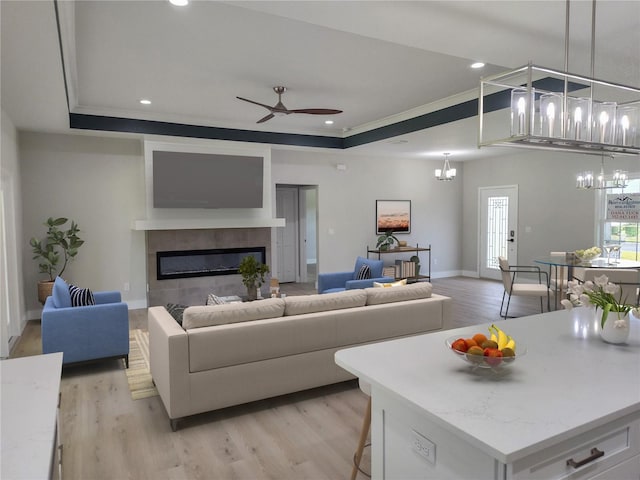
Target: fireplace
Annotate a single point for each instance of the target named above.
(190, 283)
(204, 263)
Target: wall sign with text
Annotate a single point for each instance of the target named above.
(624, 207)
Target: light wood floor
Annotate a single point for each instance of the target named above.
(306, 435)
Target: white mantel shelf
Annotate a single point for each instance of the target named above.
(199, 224)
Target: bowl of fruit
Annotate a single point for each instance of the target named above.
(495, 350)
(588, 255)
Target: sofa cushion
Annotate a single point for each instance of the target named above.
(301, 304)
(81, 297)
(204, 316)
(60, 294)
(377, 296)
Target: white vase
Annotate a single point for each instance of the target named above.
(616, 329)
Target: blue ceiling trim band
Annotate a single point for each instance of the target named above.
(460, 111)
(152, 127)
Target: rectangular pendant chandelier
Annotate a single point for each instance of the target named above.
(542, 108)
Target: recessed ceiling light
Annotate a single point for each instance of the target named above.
(179, 3)
(328, 122)
(144, 101)
(477, 65)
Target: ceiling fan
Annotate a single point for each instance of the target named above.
(280, 109)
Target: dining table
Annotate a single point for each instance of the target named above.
(570, 264)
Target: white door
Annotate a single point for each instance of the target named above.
(287, 237)
(498, 228)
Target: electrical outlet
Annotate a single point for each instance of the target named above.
(424, 447)
(127, 287)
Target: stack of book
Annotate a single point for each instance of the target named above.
(405, 269)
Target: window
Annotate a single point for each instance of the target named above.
(624, 233)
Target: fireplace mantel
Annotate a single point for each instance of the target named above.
(198, 224)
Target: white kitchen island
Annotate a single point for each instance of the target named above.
(569, 398)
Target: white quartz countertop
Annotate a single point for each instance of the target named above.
(30, 388)
(568, 382)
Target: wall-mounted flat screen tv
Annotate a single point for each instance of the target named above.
(204, 180)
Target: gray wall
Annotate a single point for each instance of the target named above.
(560, 217)
(99, 183)
(346, 203)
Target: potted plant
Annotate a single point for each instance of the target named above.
(253, 273)
(416, 259)
(386, 240)
(58, 243)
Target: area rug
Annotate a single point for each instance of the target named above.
(139, 372)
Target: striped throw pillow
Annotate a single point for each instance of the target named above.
(364, 273)
(214, 300)
(81, 297)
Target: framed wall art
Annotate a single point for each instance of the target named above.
(393, 215)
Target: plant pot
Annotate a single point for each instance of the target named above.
(615, 330)
(252, 293)
(45, 287)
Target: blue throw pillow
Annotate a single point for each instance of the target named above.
(60, 294)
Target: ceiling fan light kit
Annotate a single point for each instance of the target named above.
(552, 109)
(280, 110)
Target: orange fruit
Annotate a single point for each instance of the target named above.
(470, 343)
(479, 338)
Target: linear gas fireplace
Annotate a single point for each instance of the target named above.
(204, 263)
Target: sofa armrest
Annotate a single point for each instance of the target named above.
(84, 333)
(366, 283)
(447, 320)
(327, 281)
(169, 359)
(107, 297)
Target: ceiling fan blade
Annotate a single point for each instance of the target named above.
(264, 119)
(268, 107)
(317, 111)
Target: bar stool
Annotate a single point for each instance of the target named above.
(364, 433)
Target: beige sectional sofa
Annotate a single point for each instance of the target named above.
(225, 355)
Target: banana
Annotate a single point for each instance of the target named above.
(502, 337)
(493, 337)
(511, 343)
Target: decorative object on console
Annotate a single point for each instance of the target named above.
(386, 241)
(394, 216)
(446, 172)
(253, 273)
(48, 250)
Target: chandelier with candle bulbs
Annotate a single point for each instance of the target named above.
(551, 109)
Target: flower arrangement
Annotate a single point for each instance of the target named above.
(601, 294)
(588, 254)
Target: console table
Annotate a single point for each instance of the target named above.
(569, 408)
(30, 403)
(407, 249)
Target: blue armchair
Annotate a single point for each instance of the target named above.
(85, 333)
(338, 281)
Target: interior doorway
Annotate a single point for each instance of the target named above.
(498, 228)
(296, 243)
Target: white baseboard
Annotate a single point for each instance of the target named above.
(446, 274)
(470, 273)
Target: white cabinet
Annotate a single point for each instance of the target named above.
(406, 432)
(568, 409)
(30, 401)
